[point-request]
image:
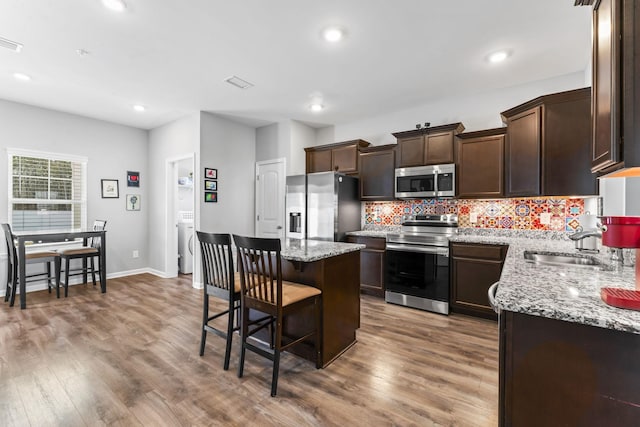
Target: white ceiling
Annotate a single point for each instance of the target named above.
(173, 55)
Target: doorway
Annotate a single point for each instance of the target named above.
(181, 216)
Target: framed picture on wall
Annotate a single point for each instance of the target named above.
(211, 197)
(210, 185)
(133, 202)
(110, 188)
(210, 173)
(133, 179)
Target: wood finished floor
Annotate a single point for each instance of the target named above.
(130, 357)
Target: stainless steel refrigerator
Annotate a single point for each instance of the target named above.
(322, 206)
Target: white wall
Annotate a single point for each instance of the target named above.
(288, 139)
(111, 150)
(230, 148)
(302, 136)
(267, 142)
(171, 141)
(185, 193)
(478, 111)
(326, 135)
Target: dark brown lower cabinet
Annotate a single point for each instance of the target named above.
(558, 373)
(474, 268)
(372, 260)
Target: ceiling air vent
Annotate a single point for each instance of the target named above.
(8, 44)
(238, 82)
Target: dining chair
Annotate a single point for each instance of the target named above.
(37, 257)
(263, 290)
(84, 253)
(220, 282)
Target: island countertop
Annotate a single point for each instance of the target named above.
(563, 292)
(314, 250)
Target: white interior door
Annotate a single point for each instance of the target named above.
(270, 188)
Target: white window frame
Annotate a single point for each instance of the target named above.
(11, 152)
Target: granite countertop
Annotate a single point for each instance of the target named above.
(563, 292)
(314, 250)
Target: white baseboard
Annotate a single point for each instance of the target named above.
(158, 273)
(128, 273)
(41, 286)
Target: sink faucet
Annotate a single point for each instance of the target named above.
(579, 235)
(585, 240)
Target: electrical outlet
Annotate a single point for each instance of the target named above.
(545, 218)
(473, 217)
(136, 254)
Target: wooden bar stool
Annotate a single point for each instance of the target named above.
(46, 257)
(263, 290)
(219, 281)
(84, 253)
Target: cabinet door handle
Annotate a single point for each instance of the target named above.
(491, 293)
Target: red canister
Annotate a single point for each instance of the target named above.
(621, 231)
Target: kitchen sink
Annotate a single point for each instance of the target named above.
(566, 259)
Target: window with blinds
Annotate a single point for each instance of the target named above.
(47, 192)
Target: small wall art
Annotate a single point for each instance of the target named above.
(133, 202)
(210, 185)
(210, 173)
(211, 197)
(110, 188)
(133, 179)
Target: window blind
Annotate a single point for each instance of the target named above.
(47, 192)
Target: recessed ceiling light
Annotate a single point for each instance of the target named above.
(333, 34)
(82, 52)
(22, 77)
(316, 107)
(499, 56)
(140, 108)
(115, 5)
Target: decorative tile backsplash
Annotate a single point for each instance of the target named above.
(515, 214)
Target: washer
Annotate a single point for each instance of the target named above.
(185, 242)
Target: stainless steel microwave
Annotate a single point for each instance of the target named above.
(426, 181)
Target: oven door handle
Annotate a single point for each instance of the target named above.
(491, 293)
(416, 248)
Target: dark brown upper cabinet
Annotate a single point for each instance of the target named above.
(616, 85)
(606, 78)
(429, 146)
(480, 159)
(547, 146)
(339, 157)
(377, 170)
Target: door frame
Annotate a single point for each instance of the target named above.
(171, 220)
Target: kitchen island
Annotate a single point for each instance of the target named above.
(334, 268)
(566, 357)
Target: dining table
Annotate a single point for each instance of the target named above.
(26, 238)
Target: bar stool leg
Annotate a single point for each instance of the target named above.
(9, 281)
(49, 284)
(205, 318)
(93, 272)
(57, 267)
(227, 353)
(66, 277)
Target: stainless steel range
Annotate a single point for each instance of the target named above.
(417, 267)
